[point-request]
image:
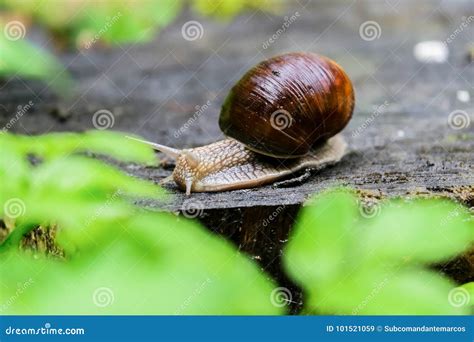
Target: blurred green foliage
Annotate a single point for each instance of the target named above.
(67, 182)
(351, 264)
(120, 259)
(115, 21)
(226, 9)
(87, 24)
(135, 262)
(24, 59)
(464, 296)
(150, 264)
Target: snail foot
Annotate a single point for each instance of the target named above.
(288, 183)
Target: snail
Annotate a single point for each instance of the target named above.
(281, 117)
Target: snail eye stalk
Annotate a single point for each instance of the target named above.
(169, 151)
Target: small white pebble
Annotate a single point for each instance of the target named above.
(431, 51)
(463, 95)
(400, 133)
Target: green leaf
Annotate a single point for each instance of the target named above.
(14, 172)
(120, 259)
(317, 251)
(382, 291)
(116, 144)
(19, 57)
(59, 145)
(121, 24)
(81, 175)
(227, 9)
(463, 296)
(73, 190)
(222, 8)
(85, 197)
(165, 11)
(360, 266)
(159, 264)
(423, 230)
(105, 21)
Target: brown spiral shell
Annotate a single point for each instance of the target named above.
(285, 105)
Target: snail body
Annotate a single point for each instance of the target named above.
(281, 117)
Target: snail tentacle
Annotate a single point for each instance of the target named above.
(169, 151)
